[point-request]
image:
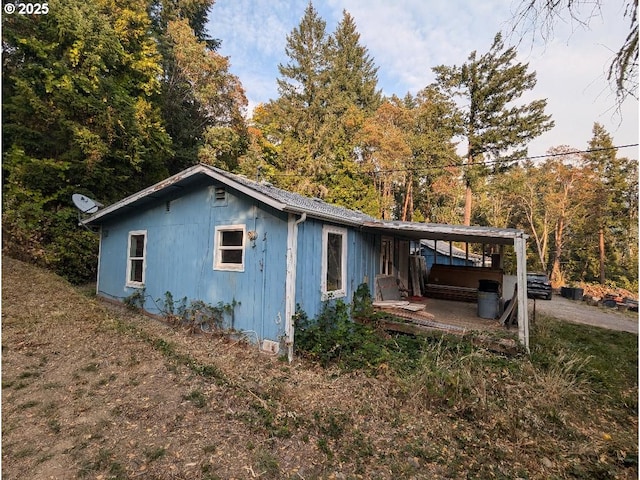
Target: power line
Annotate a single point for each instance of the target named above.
(574, 152)
(486, 163)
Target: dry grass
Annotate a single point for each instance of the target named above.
(95, 391)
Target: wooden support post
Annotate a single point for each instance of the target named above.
(520, 245)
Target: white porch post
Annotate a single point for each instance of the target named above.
(290, 280)
(520, 245)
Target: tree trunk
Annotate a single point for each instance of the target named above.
(601, 250)
(407, 208)
(467, 205)
(468, 194)
(556, 273)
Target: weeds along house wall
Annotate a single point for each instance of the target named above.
(180, 249)
(363, 259)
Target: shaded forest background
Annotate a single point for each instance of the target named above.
(107, 97)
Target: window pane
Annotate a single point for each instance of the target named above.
(136, 271)
(137, 246)
(232, 238)
(334, 262)
(231, 256)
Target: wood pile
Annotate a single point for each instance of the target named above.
(604, 291)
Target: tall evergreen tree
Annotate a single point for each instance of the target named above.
(353, 96)
(612, 205)
(195, 12)
(495, 128)
(80, 87)
(304, 90)
(202, 102)
(326, 90)
(354, 80)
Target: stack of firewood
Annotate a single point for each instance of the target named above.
(604, 291)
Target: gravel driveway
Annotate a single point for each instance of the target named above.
(579, 312)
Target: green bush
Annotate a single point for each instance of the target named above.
(196, 314)
(51, 239)
(333, 338)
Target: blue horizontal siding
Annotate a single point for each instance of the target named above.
(432, 257)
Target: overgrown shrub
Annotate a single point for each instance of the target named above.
(197, 315)
(333, 337)
(38, 228)
(53, 241)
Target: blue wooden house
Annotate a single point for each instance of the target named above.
(213, 236)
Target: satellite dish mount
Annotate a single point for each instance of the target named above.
(85, 205)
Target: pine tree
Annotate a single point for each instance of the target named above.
(80, 87)
(353, 74)
(352, 97)
(326, 91)
(493, 126)
(303, 89)
(612, 205)
(203, 104)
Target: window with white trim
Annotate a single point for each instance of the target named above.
(334, 262)
(229, 247)
(136, 258)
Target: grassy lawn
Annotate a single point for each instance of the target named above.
(96, 391)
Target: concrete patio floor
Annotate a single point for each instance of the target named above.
(460, 314)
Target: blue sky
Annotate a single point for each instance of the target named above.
(406, 38)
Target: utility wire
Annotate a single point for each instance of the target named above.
(486, 163)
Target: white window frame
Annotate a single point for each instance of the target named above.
(130, 259)
(341, 292)
(217, 257)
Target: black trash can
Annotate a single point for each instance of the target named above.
(577, 293)
(492, 286)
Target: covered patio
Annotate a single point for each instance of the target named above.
(462, 316)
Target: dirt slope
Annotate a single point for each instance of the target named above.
(95, 391)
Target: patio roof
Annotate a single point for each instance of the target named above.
(439, 231)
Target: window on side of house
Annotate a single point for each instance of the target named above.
(229, 247)
(136, 258)
(334, 262)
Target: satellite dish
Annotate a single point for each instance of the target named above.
(85, 204)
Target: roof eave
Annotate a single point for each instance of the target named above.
(199, 169)
(324, 217)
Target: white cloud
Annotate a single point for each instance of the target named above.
(407, 38)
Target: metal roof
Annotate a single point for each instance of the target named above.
(439, 231)
(296, 203)
(275, 197)
(286, 201)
